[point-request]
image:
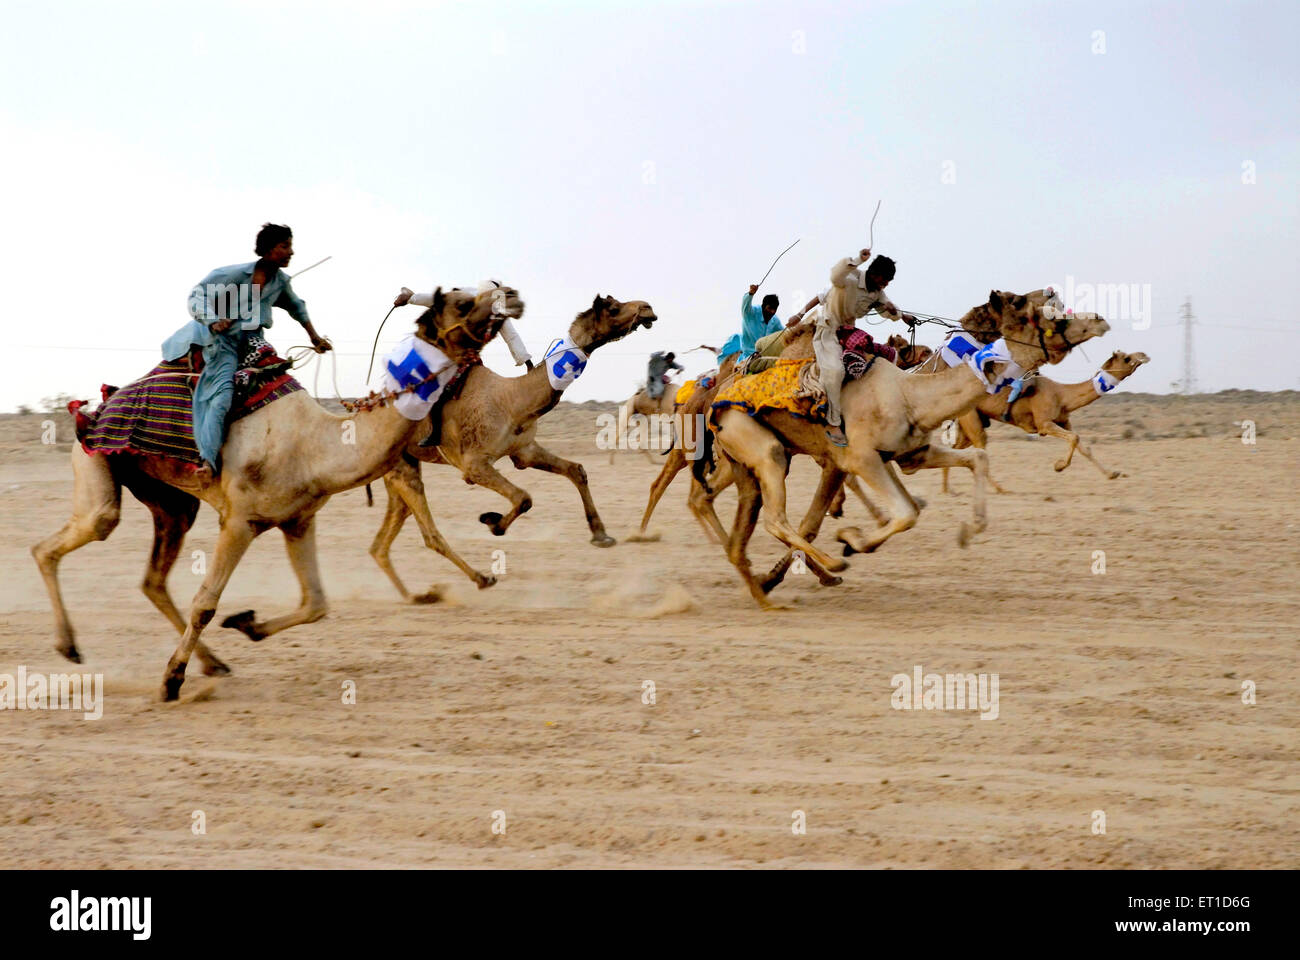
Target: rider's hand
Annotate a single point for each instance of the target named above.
(909, 319)
(865, 253)
(321, 345)
(221, 326)
(753, 289)
(404, 297)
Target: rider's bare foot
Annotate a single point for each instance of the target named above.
(837, 436)
(205, 472)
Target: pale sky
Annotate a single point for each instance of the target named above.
(658, 151)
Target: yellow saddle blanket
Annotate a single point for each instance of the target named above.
(779, 387)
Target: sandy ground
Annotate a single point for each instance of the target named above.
(1119, 692)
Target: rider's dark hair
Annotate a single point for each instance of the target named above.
(881, 270)
(270, 235)
(771, 300)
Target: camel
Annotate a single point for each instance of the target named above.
(281, 464)
(888, 415)
(701, 497)
(495, 417)
(1044, 408)
(642, 403)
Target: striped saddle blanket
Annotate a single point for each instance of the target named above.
(154, 415)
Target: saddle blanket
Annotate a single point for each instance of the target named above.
(418, 363)
(155, 414)
(963, 348)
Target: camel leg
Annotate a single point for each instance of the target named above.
(1050, 429)
(232, 542)
(851, 483)
(300, 542)
(836, 509)
(394, 517)
(830, 487)
(748, 503)
(481, 472)
(406, 482)
(766, 457)
(673, 465)
(173, 514)
(1086, 450)
(700, 501)
(883, 481)
(96, 509)
(536, 456)
(976, 461)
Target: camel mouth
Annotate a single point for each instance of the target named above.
(648, 322)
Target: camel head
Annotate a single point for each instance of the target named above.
(1120, 364)
(607, 320)
(461, 321)
(908, 355)
(1035, 327)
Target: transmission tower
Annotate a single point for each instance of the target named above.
(1189, 356)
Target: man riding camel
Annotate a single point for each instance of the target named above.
(852, 294)
(229, 306)
(657, 372)
(507, 332)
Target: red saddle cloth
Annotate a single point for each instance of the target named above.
(154, 415)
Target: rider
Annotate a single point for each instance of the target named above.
(657, 372)
(852, 294)
(228, 305)
(757, 322)
(508, 333)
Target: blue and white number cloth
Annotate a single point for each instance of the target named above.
(565, 362)
(410, 362)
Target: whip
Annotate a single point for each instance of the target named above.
(778, 258)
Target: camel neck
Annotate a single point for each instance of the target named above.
(355, 448)
(934, 398)
(1076, 395)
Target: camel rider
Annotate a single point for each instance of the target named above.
(508, 332)
(757, 322)
(657, 372)
(852, 294)
(228, 305)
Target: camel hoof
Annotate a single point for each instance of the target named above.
(1115, 475)
(216, 668)
(171, 688)
(69, 651)
(1059, 466)
(964, 535)
(432, 595)
(603, 540)
(243, 620)
(832, 581)
(486, 581)
(491, 518)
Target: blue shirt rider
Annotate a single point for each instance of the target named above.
(227, 305)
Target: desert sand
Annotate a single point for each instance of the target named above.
(1120, 692)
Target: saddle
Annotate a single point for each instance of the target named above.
(154, 416)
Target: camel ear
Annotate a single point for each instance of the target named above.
(1020, 301)
(995, 300)
(598, 303)
(439, 301)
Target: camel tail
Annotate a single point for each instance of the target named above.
(370, 496)
(704, 463)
